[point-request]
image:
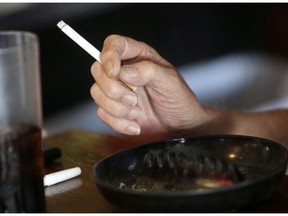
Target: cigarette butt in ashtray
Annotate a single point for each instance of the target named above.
(88, 47)
(60, 176)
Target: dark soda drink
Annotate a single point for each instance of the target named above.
(22, 170)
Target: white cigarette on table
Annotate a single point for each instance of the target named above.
(82, 42)
(60, 176)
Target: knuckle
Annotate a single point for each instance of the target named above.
(112, 92)
(118, 111)
(98, 113)
(111, 39)
(105, 57)
(101, 115)
(147, 65)
(94, 90)
(149, 68)
(95, 69)
(113, 44)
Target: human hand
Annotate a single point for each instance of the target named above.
(162, 103)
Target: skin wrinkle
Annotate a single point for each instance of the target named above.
(169, 106)
(154, 83)
(149, 112)
(155, 94)
(146, 53)
(168, 96)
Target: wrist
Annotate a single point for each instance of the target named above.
(215, 121)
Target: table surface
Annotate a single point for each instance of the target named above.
(80, 194)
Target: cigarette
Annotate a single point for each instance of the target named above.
(82, 42)
(60, 176)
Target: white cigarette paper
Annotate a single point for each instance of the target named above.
(82, 42)
(60, 176)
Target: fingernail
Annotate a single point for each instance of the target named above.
(130, 100)
(130, 72)
(133, 130)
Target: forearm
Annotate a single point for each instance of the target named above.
(271, 125)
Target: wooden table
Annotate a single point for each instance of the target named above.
(80, 195)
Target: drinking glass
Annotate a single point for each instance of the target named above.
(21, 152)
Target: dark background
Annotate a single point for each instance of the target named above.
(181, 33)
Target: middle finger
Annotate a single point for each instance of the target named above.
(114, 108)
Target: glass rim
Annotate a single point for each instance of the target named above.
(14, 38)
(17, 32)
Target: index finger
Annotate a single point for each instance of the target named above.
(119, 48)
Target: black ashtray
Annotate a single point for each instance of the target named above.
(216, 173)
